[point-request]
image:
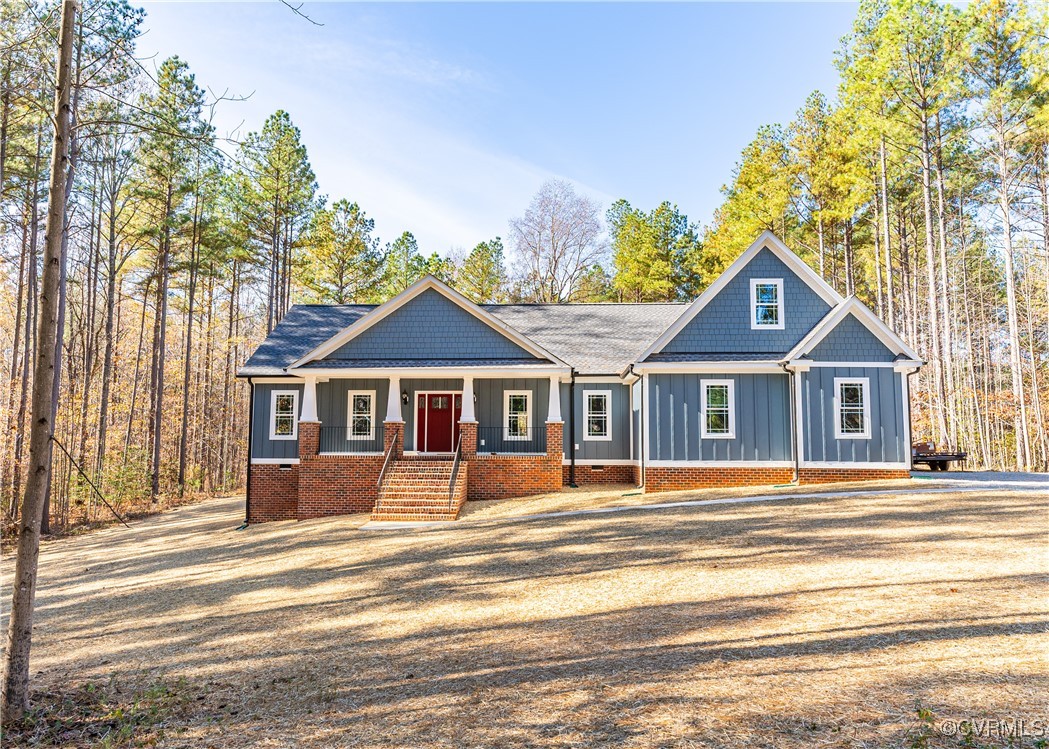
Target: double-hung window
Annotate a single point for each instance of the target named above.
(717, 409)
(517, 414)
(284, 415)
(852, 416)
(597, 405)
(766, 304)
(361, 415)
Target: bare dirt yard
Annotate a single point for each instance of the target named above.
(836, 621)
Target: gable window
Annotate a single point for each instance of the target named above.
(361, 415)
(852, 408)
(597, 407)
(718, 409)
(517, 413)
(766, 303)
(284, 410)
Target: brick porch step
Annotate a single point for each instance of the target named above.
(416, 489)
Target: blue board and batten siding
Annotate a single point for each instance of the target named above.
(333, 410)
(762, 418)
(431, 326)
(723, 325)
(490, 411)
(595, 451)
(887, 418)
(262, 447)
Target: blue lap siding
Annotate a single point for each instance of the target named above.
(431, 326)
(723, 325)
(851, 341)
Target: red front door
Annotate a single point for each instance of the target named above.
(437, 422)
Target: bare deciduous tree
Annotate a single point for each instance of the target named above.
(559, 238)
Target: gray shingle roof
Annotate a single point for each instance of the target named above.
(595, 339)
(599, 339)
(405, 363)
(304, 328)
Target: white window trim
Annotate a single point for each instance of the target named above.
(294, 413)
(778, 283)
(350, 436)
(506, 414)
(865, 384)
(608, 416)
(731, 434)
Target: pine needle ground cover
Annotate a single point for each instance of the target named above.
(850, 621)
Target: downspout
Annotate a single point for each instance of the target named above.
(641, 435)
(251, 440)
(910, 422)
(571, 430)
(793, 423)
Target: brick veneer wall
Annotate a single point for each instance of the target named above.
(505, 476)
(338, 484)
(698, 477)
(829, 475)
(617, 474)
(274, 493)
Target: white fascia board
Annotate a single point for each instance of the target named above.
(867, 318)
(478, 372)
(597, 462)
(289, 380)
(802, 365)
(780, 250)
(274, 461)
(719, 464)
(724, 367)
(600, 379)
(392, 305)
(861, 465)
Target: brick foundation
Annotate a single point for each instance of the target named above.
(506, 476)
(586, 475)
(274, 493)
(697, 477)
(337, 484)
(830, 475)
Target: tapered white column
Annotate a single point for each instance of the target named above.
(393, 401)
(553, 411)
(467, 414)
(309, 400)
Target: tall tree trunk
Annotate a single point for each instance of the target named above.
(889, 300)
(15, 697)
(947, 346)
(930, 267)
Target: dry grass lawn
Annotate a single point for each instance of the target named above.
(796, 623)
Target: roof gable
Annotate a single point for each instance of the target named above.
(428, 321)
(853, 333)
(851, 341)
(719, 320)
(302, 329)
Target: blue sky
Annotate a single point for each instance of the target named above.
(444, 119)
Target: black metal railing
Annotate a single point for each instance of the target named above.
(504, 440)
(339, 439)
(455, 471)
(386, 464)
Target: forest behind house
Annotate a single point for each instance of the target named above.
(921, 185)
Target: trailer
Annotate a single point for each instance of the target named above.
(936, 458)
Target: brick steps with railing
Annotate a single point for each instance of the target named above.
(418, 489)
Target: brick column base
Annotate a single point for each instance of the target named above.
(393, 430)
(468, 439)
(309, 438)
(555, 440)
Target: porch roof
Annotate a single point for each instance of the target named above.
(424, 363)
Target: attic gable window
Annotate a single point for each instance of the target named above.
(766, 304)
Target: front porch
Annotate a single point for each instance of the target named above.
(442, 440)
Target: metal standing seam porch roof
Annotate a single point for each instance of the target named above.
(595, 339)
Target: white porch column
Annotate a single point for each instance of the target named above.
(553, 411)
(309, 400)
(393, 400)
(467, 413)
